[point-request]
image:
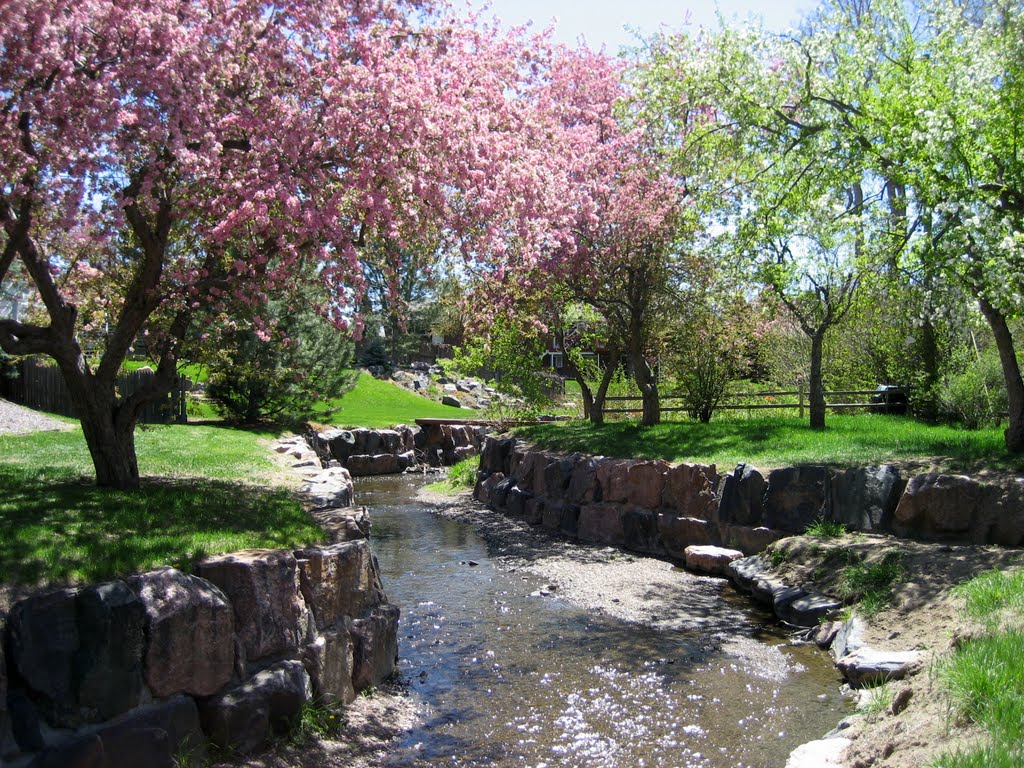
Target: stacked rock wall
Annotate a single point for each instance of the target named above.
(133, 672)
(390, 451)
(657, 508)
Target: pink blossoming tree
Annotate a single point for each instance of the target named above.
(176, 157)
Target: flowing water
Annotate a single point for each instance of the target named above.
(507, 677)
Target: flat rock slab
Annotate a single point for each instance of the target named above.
(823, 753)
(742, 572)
(710, 559)
(805, 610)
(866, 666)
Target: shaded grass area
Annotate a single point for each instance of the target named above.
(777, 441)
(203, 495)
(984, 676)
(376, 403)
(461, 477)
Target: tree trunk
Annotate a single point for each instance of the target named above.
(597, 409)
(1014, 434)
(648, 385)
(816, 394)
(113, 452)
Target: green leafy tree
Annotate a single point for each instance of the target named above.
(284, 370)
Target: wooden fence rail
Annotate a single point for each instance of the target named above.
(801, 403)
(42, 387)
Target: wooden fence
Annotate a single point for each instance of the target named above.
(767, 401)
(42, 387)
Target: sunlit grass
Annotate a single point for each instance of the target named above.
(984, 676)
(777, 441)
(376, 403)
(206, 490)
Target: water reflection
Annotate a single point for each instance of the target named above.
(507, 679)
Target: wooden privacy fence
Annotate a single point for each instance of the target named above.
(42, 386)
(767, 401)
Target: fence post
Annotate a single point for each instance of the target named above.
(800, 395)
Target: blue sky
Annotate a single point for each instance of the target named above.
(603, 22)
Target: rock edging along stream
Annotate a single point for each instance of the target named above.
(657, 508)
(133, 672)
(365, 452)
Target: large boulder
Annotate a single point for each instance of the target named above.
(806, 609)
(601, 524)
(485, 489)
(796, 497)
(741, 496)
(339, 580)
(867, 666)
(496, 454)
(79, 652)
(557, 477)
(345, 523)
(243, 718)
(865, 498)
(691, 490)
(645, 483)
(375, 652)
(677, 533)
(329, 663)
(365, 465)
(744, 571)
(151, 736)
(263, 588)
(750, 540)
(584, 488)
(6, 736)
(612, 478)
(190, 627)
(640, 530)
(561, 516)
(941, 507)
(341, 444)
(329, 488)
(711, 560)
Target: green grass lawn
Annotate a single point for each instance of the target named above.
(777, 441)
(207, 490)
(376, 403)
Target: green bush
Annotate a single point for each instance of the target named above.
(278, 376)
(975, 397)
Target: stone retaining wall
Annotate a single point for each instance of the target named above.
(132, 672)
(656, 508)
(390, 451)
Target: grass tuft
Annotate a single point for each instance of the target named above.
(870, 583)
(825, 529)
(984, 676)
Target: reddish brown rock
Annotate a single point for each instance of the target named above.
(263, 588)
(709, 559)
(375, 650)
(601, 523)
(690, 489)
(939, 507)
(677, 533)
(749, 540)
(485, 489)
(645, 483)
(190, 628)
(612, 478)
(583, 488)
(339, 580)
(244, 717)
(329, 663)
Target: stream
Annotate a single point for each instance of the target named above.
(507, 672)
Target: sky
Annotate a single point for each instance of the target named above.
(604, 22)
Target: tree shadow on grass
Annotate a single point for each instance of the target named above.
(68, 531)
